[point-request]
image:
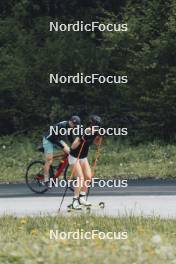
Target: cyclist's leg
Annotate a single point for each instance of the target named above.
(48, 162)
(48, 151)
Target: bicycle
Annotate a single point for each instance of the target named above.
(35, 173)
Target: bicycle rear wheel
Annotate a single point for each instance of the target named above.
(35, 175)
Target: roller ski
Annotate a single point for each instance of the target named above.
(87, 204)
(77, 207)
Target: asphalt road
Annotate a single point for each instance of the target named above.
(148, 206)
(141, 197)
(142, 187)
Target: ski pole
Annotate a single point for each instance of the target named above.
(63, 198)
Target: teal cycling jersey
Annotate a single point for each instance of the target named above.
(55, 138)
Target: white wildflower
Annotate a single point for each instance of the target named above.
(156, 239)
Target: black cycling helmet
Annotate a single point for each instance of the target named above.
(75, 120)
(95, 120)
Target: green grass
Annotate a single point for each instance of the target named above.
(117, 160)
(153, 160)
(26, 240)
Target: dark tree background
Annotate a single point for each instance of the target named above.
(146, 53)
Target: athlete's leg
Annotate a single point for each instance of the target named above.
(87, 174)
(80, 177)
(77, 171)
(87, 180)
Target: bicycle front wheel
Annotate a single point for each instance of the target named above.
(35, 176)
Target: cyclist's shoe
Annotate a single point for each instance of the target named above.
(47, 184)
(82, 201)
(75, 204)
(46, 178)
(46, 181)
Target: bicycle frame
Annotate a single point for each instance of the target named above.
(63, 163)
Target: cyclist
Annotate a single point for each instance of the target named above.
(54, 139)
(79, 161)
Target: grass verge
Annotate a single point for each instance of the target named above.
(27, 240)
(117, 160)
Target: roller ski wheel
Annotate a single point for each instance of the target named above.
(101, 205)
(82, 209)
